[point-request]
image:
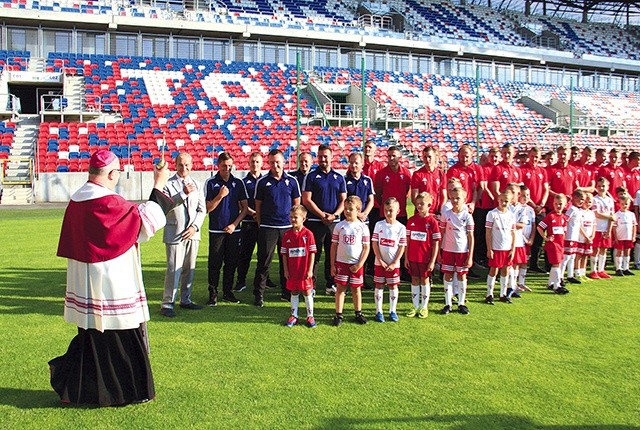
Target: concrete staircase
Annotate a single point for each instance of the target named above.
(18, 174)
(36, 65)
(4, 91)
(73, 91)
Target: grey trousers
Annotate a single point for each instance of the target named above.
(181, 265)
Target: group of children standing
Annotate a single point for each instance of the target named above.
(589, 227)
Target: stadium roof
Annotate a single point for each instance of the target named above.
(618, 12)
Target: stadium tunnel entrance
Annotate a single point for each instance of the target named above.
(29, 95)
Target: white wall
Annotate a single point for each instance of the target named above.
(58, 187)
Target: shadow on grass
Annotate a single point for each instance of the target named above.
(491, 421)
(26, 290)
(29, 399)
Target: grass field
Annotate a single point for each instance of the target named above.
(546, 361)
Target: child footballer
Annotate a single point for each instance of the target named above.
(423, 243)
(500, 228)
(298, 247)
(552, 229)
(388, 242)
(457, 248)
(349, 250)
(624, 229)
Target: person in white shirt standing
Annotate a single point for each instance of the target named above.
(349, 250)
(389, 242)
(501, 234)
(625, 226)
(457, 248)
(574, 224)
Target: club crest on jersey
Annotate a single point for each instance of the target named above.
(462, 176)
(386, 178)
(268, 184)
(349, 182)
(216, 185)
(335, 176)
(286, 181)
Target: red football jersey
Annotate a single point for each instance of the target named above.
(299, 247)
(470, 177)
(431, 182)
(393, 184)
(421, 232)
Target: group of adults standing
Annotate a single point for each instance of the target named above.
(254, 210)
(107, 362)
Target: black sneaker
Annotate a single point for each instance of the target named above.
(285, 297)
(213, 301)
(230, 298)
(489, 300)
(259, 302)
(360, 319)
(619, 272)
(472, 275)
(550, 287)
(628, 273)
(463, 310)
(446, 310)
(167, 312)
(562, 283)
(337, 321)
(191, 306)
(270, 284)
(574, 281)
(505, 299)
(515, 295)
(240, 287)
(561, 290)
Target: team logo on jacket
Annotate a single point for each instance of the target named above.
(286, 182)
(462, 176)
(268, 184)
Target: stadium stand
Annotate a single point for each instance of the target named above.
(205, 107)
(473, 24)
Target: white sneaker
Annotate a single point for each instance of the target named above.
(331, 291)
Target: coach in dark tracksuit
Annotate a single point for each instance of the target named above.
(226, 200)
(276, 192)
(324, 193)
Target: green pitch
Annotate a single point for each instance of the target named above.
(546, 361)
